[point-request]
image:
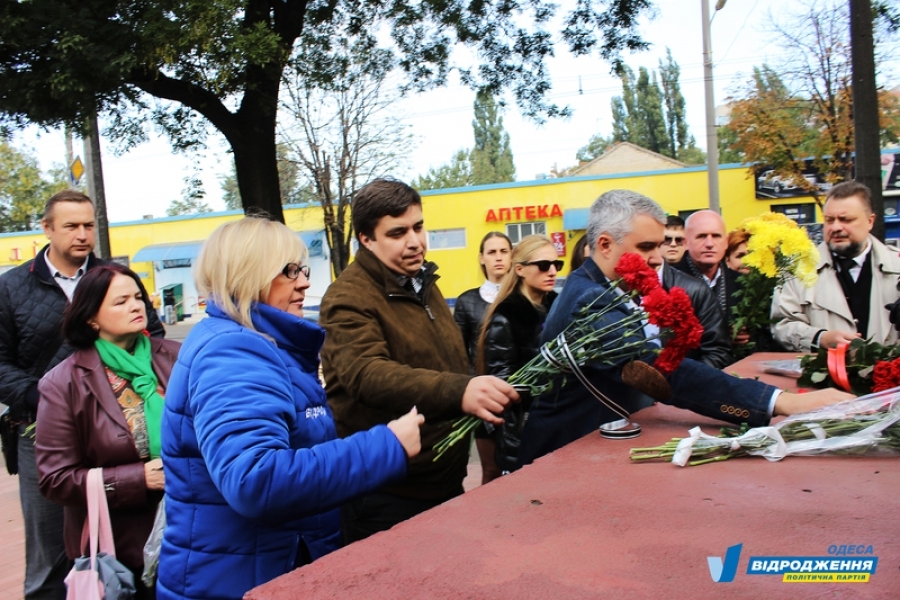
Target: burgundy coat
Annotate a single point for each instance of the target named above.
(80, 427)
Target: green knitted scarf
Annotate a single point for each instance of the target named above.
(137, 369)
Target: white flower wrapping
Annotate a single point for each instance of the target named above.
(868, 425)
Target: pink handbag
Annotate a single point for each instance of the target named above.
(99, 576)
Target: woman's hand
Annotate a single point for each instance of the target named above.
(154, 475)
(406, 428)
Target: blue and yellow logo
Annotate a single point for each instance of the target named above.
(847, 563)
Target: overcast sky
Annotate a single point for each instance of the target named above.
(145, 180)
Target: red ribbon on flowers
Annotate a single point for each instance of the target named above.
(837, 365)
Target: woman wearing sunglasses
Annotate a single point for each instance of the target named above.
(512, 331)
(255, 472)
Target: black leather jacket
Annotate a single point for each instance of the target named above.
(511, 339)
(31, 313)
(468, 312)
(715, 345)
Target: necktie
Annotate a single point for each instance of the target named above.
(846, 264)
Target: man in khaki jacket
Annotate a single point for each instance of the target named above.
(858, 276)
(391, 344)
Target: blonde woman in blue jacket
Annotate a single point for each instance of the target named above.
(254, 469)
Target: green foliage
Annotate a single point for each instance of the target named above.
(887, 15)
(491, 158)
(191, 202)
(802, 108)
(651, 112)
(596, 146)
(676, 126)
(490, 161)
(23, 190)
(458, 173)
(752, 311)
(728, 153)
(187, 206)
(189, 64)
(860, 360)
(692, 155)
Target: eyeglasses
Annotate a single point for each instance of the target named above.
(544, 265)
(293, 270)
(678, 240)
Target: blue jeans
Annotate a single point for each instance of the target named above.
(46, 563)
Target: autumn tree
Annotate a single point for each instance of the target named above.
(191, 65)
(800, 112)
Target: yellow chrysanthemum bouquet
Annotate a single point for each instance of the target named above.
(778, 250)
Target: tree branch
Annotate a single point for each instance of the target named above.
(191, 95)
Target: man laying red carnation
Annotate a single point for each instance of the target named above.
(622, 222)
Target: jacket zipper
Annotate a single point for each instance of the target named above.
(422, 304)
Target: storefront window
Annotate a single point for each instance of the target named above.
(516, 231)
(802, 213)
(445, 239)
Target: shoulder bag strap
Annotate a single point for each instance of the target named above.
(98, 526)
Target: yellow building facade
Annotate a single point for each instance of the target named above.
(560, 207)
(456, 220)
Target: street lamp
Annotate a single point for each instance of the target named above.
(712, 138)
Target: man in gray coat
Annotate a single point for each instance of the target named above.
(858, 276)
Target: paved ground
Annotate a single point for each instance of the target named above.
(12, 557)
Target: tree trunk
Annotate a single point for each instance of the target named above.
(256, 164)
(865, 108)
(96, 190)
(340, 249)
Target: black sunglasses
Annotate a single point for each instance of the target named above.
(679, 240)
(293, 270)
(544, 265)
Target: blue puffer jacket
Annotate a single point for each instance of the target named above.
(254, 469)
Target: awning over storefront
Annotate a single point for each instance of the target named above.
(191, 250)
(575, 219)
(176, 251)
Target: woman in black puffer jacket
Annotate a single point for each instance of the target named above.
(494, 257)
(512, 330)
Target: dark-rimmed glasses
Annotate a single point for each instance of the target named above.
(544, 265)
(677, 239)
(293, 270)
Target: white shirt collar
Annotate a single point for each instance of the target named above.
(57, 273)
(488, 291)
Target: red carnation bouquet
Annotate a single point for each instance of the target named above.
(581, 342)
(671, 311)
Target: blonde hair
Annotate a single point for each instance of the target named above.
(511, 284)
(238, 262)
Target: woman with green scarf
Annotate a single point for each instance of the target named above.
(101, 407)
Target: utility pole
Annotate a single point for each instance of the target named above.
(866, 130)
(94, 168)
(712, 137)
